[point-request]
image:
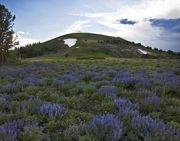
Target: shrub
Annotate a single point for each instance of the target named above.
(10, 131)
(126, 107)
(105, 128)
(150, 103)
(108, 90)
(151, 129)
(52, 110)
(33, 134)
(153, 99)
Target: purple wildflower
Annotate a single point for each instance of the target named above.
(150, 128)
(9, 88)
(52, 110)
(3, 101)
(69, 77)
(145, 92)
(94, 76)
(126, 107)
(11, 130)
(105, 128)
(152, 99)
(108, 90)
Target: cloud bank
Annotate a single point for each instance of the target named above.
(151, 22)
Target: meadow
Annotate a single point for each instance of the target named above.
(90, 100)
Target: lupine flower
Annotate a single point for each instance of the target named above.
(11, 130)
(3, 101)
(110, 73)
(126, 106)
(146, 127)
(69, 77)
(52, 110)
(32, 81)
(126, 79)
(152, 99)
(58, 82)
(9, 88)
(142, 71)
(105, 128)
(35, 103)
(152, 129)
(94, 76)
(23, 106)
(143, 82)
(145, 92)
(166, 79)
(165, 70)
(108, 90)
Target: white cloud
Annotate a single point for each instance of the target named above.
(77, 26)
(143, 9)
(142, 31)
(23, 33)
(24, 40)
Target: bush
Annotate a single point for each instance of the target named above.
(52, 110)
(108, 91)
(33, 134)
(105, 128)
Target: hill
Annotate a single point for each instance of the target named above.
(93, 45)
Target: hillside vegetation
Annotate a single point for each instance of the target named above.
(93, 45)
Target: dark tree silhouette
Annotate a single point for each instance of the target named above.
(6, 33)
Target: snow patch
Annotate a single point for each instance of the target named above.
(142, 51)
(70, 42)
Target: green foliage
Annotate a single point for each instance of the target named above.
(6, 33)
(72, 133)
(108, 106)
(174, 125)
(33, 134)
(32, 90)
(51, 97)
(89, 58)
(88, 138)
(148, 108)
(5, 117)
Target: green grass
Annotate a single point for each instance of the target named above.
(130, 63)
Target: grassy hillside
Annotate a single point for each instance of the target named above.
(94, 45)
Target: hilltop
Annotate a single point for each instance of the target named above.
(93, 45)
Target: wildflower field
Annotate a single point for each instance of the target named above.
(91, 100)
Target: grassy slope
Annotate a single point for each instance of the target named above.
(129, 64)
(97, 46)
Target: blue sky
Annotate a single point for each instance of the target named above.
(154, 23)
